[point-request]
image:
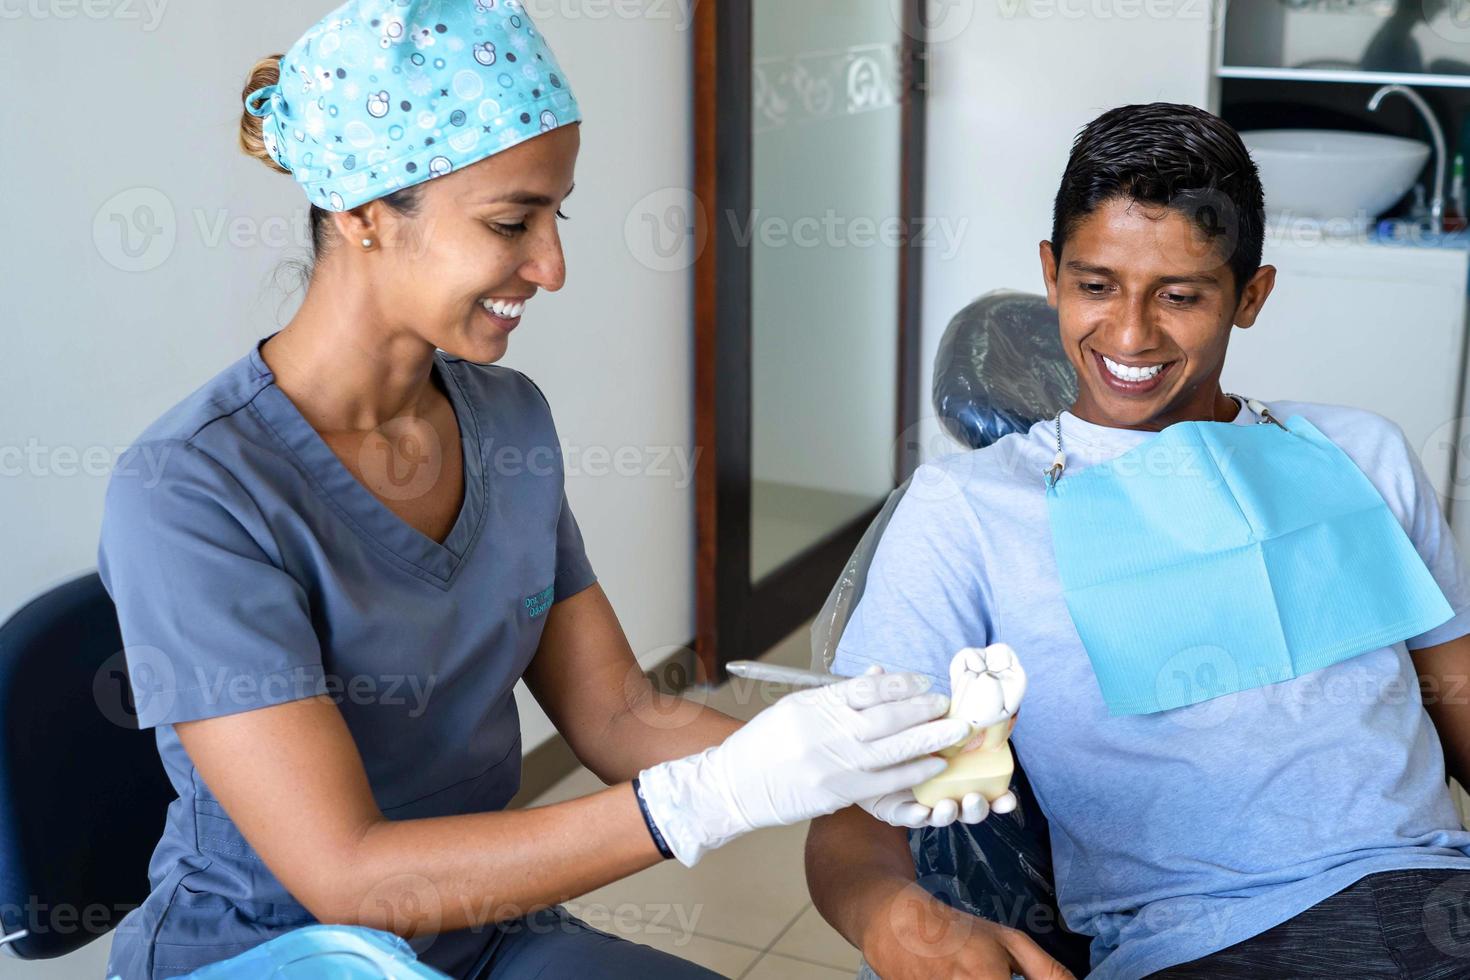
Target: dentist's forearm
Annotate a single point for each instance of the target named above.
(291, 779)
(445, 873)
(657, 729)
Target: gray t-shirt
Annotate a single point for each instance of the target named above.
(1178, 833)
(250, 567)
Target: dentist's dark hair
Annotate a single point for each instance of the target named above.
(1171, 155)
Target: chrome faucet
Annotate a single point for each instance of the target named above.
(1436, 203)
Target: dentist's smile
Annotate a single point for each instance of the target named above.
(504, 313)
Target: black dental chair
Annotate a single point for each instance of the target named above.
(1000, 369)
(82, 792)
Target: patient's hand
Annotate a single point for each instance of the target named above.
(916, 937)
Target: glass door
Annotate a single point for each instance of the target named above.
(827, 143)
(809, 143)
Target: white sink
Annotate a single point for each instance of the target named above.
(1327, 174)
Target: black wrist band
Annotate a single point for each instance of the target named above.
(653, 831)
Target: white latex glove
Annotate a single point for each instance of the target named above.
(810, 753)
(988, 686)
(902, 810)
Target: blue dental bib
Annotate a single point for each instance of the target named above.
(1217, 558)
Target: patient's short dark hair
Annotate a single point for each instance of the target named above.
(1173, 155)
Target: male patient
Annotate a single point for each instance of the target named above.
(1296, 829)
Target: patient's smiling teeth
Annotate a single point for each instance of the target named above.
(1126, 373)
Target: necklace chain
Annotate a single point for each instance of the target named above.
(1059, 463)
(1229, 394)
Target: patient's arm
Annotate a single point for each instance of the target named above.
(861, 877)
(1443, 673)
(855, 865)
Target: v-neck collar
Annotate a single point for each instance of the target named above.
(368, 516)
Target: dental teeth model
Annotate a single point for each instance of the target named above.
(986, 687)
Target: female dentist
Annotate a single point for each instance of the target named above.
(332, 562)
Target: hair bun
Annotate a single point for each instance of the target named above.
(266, 71)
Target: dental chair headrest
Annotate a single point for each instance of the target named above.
(1000, 368)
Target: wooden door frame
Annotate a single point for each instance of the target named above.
(734, 617)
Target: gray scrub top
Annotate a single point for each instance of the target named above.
(250, 568)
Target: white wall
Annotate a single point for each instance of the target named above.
(1011, 82)
(149, 110)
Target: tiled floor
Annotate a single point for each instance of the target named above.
(743, 911)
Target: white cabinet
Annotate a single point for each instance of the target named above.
(1377, 326)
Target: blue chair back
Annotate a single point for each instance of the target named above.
(1000, 368)
(82, 792)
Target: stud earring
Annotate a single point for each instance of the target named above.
(367, 243)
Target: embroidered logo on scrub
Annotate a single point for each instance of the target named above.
(540, 602)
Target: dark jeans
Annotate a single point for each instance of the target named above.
(1410, 925)
(553, 944)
